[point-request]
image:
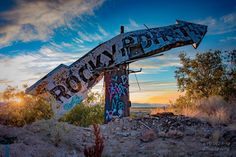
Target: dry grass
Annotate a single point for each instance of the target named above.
(213, 109)
(161, 110)
(97, 149)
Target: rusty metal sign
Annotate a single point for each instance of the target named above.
(69, 84)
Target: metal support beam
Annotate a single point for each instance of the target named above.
(117, 103)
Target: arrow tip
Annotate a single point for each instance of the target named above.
(195, 31)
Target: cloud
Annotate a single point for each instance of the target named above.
(221, 25)
(228, 39)
(133, 23)
(29, 67)
(166, 60)
(4, 81)
(37, 20)
(91, 37)
(102, 31)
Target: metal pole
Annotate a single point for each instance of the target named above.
(116, 80)
(122, 29)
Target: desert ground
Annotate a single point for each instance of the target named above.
(159, 135)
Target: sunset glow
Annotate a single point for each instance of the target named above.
(35, 40)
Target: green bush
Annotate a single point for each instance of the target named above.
(207, 75)
(85, 115)
(208, 79)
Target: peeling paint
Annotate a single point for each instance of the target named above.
(66, 82)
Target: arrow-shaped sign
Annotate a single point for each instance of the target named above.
(69, 84)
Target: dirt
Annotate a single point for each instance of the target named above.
(161, 135)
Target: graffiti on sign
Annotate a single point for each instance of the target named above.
(75, 100)
(117, 93)
(118, 88)
(66, 82)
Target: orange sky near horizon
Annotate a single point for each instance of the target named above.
(155, 97)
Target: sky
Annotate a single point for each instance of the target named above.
(38, 35)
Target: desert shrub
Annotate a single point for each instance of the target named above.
(90, 111)
(207, 75)
(20, 109)
(181, 103)
(209, 83)
(85, 115)
(96, 149)
(215, 109)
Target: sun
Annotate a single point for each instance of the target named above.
(18, 100)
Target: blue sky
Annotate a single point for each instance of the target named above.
(36, 36)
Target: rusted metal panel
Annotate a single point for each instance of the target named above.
(116, 92)
(69, 84)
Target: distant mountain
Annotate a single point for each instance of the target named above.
(146, 105)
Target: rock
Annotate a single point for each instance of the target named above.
(148, 136)
(124, 128)
(121, 138)
(7, 139)
(215, 137)
(123, 134)
(171, 134)
(134, 128)
(190, 131)
(161, 134)
(175, 134)
(115, 119)
(117, 129)
(229, 136)
(88, 129)
(164, 114)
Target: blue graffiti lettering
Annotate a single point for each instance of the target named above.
(75, 100)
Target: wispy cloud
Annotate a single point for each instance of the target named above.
(100, 35)
(71, 47)
(29, 67)
(4, 81)
(228, 39)
(103, 31)
(133, 23)
(221, 25)
(166, 60)
(36, 20)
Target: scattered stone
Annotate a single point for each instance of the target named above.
(88, 129)
(123, 134)
(229, 136)
(148, 136)
(164, 114)
(171, 135)
(216, 137)
(7, 139)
